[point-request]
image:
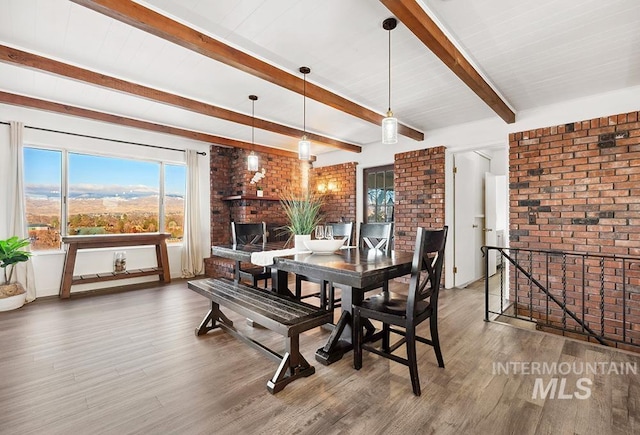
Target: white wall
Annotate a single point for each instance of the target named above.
(488, 133)
(48, 266)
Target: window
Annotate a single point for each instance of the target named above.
(175, 192)
(105, 195)
(379, 194)
(43, 197)
(112, 196)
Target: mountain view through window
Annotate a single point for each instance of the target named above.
(106, 195)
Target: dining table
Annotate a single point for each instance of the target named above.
(352, 269)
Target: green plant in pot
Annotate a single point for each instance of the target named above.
(303, 214)
(12, 295)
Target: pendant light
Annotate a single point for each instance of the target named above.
(304, 145)
(252, 159)
(389, 124)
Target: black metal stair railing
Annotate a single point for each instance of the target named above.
(592, 295)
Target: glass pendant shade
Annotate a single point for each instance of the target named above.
(389, 129)
(304, 149)
(252, 162)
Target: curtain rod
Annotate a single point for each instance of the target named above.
(202, 153)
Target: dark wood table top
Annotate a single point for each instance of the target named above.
(353, 267)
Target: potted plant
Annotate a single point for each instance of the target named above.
(12, 295)
(256, 179)
(303, 215)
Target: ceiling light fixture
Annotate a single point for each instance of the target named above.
(304, 145)
(252, 159)
(389, 123)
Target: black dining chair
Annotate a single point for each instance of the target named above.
(327, 302)
(376, 235)
(250, 234)
(420, 304)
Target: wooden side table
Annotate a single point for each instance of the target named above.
(75, 243)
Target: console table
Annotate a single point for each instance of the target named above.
(75, 243)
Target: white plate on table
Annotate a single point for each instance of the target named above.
(324, 246)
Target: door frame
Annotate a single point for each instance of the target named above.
(449, 254)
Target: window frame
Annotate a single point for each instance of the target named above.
(365, 196)
(64, 184)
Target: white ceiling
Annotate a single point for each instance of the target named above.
(533, 54)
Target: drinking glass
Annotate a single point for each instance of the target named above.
(328, 232)
(319, 232)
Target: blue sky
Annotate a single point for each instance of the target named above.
(95, 174)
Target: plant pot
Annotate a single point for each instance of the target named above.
(298, 241)
(12, 296)
(260, 193)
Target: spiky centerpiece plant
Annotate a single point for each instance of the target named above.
(11, 253)
(302, 211)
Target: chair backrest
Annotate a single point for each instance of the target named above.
(248, 234)
(426, 269)
(376, 235)
(342, 229)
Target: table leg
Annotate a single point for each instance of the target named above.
(162, 258)
(280, 282)
(67, 272)
(340, 340)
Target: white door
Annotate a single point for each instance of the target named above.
(468, 216)
(490, 216)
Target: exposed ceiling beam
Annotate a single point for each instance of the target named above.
(23, 58)
(416, 19)
(50, 106)
(157, 24)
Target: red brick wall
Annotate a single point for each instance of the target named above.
(229, 176)
(419, 186)
(220, 173)
(283, 173)
(576, 187)
(338, 183)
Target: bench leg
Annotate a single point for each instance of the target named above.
(292, 366)
(211, 318)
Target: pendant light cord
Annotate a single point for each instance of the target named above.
(253, 120)
(304, 105)
(389, 70)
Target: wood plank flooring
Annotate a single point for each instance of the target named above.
(129, 362)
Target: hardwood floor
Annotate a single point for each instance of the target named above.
(130, 363)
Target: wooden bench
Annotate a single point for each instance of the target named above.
(286, 316)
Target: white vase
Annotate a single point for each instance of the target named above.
(299, 239)
(12, 302)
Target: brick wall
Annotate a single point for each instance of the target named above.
(419, 187)
(576, 187)
(219, 176)
(283, 173)
(338, 183)
(229, 176)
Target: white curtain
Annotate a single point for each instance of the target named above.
(192, 259)
(17, 214)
